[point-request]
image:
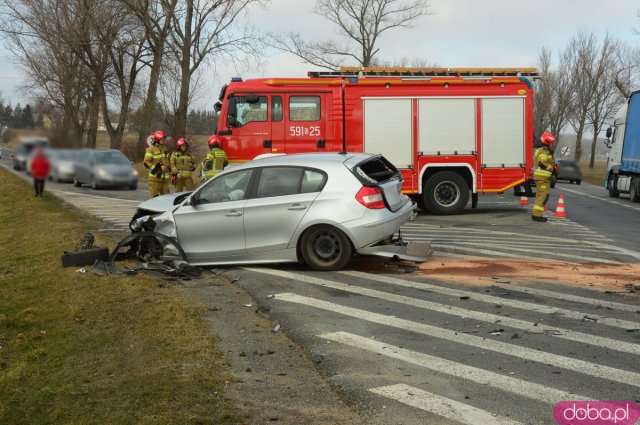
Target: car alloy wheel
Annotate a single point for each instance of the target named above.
(324, 247)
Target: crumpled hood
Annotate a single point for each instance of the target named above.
(163, 203)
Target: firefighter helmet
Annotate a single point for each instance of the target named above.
(158, 135)
(182, 142)
(547, 138)
(214, 140)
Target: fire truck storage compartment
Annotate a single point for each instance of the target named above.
(388, 129)
(503, 138)
(447, 126)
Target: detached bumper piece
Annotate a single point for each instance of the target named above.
(412, 251)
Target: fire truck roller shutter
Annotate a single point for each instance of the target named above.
(503, 138)
(388, 129)
(447, 126)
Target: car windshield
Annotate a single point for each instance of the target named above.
(111, 158)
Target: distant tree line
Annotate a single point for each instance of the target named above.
(18, 117)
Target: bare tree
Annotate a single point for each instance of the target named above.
(51, 66)
(202, 29)
(581, 53)
(360, 24)
(553, 95)
(605, 96)
(627, 64)
(155, 16)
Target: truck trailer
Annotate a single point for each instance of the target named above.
(453, 133)
(623, 140)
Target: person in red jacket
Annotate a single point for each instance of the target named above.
(40, 167)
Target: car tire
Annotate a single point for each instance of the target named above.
(611, 183)
(84, 257)
(325, 248)
(76, 183)
(634, 190)
(133, 186)
(446, 192)
(578, 181)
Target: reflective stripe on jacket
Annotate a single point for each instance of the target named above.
(182, 163)
(217, 157)
(543, 163)
(157, 154)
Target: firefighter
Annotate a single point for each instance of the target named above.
(216, 159)
(544, 167)
(156, 160)
(183, 163)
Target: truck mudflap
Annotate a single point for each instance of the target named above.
(413, 251)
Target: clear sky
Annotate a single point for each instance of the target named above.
(459, 33)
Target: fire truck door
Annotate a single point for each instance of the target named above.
(252, 128)
(277, 125)
(305, 123)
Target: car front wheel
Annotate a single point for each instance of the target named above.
(76, 183)
(325, 248)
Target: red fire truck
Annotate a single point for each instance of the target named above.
(453, 133)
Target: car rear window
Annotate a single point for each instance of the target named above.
(376, 170)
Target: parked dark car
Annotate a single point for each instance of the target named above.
(24, 150)
(569, 171)
(104, 168)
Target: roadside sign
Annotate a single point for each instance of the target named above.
(565, 151)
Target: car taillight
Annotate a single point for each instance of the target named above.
(371, 197)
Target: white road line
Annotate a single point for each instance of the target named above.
(608, 343)
(509, 384)
(600, 199)
(574, 298)
(579, 366)
(441, 406)
(538, 253)
(522, 305)
(510, 242)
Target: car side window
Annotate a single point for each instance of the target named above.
(229, 187)
(279, 181)
(251, 112)
(312, 181)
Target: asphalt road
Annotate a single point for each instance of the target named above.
(415, 350)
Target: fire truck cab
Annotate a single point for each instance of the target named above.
(453, 133)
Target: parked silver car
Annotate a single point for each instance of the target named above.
(26, 147)
(319, 209)
(104, 168)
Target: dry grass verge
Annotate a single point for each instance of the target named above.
(81, 348)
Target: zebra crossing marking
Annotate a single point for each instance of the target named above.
(521, 305)
(441, 406)
(575, 365)
(562, 333)
(495, 380)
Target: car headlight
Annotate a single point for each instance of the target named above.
(135, 173)
(102, 172)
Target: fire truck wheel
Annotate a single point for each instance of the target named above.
(446, 192)
(325, 248)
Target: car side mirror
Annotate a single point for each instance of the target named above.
(609, 132)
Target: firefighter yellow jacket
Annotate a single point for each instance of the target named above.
(214, 162)
(157, 154)
(182, 164)
(543, 164)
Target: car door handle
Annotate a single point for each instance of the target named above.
(233, 213)
(296, 207)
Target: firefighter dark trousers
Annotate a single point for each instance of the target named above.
(38, 185)
(542, 196)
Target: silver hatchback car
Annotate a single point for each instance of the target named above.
(319, 209)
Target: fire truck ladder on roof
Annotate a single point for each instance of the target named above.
(531, 73)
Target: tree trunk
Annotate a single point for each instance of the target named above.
(592, 160)
(93, 106)
(579, 133)
(185, 76)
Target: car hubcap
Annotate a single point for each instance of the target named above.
(326, 246)
(447, 194)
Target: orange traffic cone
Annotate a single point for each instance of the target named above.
(560, 208)
(524, 200)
